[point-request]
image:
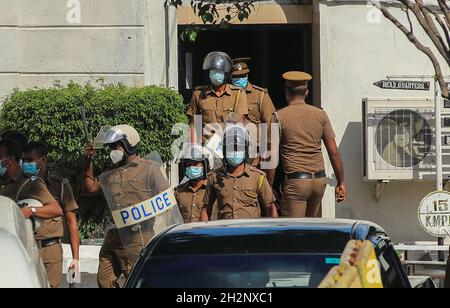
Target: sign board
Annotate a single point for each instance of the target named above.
(145, 210)
(403, 85)
(434, 214)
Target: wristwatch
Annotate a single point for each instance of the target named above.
(33, 210)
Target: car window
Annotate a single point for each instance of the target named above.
(236, 271)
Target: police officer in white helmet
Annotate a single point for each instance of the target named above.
(131, 181)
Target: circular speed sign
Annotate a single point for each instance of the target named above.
(434, 214)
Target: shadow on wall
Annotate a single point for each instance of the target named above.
(396, 211)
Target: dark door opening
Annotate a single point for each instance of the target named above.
(274, 49)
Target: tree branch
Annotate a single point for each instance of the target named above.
(442, 24)
(427, 28)
(413, 39)
(433, 27)
(445, 9)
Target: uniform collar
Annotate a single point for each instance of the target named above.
(298, 102)
(15, 178)
(249, 88)
(246, 172)
(192, 189)
(210, 90)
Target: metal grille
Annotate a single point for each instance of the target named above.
(403, 138)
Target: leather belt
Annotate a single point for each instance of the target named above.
(48, 242)
(306, 175)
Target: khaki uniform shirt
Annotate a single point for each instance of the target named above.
(303, 127)
(33, 188)
(214, 109)
(190, 201)
(62, 191)
(260, 105)
(238, 197)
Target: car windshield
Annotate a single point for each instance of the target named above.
(236, 271)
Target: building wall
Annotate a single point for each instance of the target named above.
(354, 53)
(118, 40)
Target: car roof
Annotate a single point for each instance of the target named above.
(263, 236)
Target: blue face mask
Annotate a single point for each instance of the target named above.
(194, 173)
(2, 168)
(240, 82)
(217, 77)
(30, 169)
(235, 158)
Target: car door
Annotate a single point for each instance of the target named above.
(392, 272)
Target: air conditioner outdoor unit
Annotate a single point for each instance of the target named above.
(399, 139)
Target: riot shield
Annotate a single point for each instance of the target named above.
(141, 201)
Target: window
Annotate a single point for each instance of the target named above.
(236, 271)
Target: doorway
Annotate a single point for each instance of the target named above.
(274, 49)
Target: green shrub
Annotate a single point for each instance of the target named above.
(53, 116)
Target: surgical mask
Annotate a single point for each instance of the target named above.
(235, 158)
(30, 169)
(2, 168)
(194, 173)
(240, 82)
(217, 77)
(116, 156)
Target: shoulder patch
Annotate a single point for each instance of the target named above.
(260, 89)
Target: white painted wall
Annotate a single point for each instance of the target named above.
(118, 40)
(354, 54)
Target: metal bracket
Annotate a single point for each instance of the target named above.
(380, 188)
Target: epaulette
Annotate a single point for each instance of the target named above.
(258, 171)
(261, 89)
(56, 177)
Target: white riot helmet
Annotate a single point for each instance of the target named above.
(126, 135)
(33, 203)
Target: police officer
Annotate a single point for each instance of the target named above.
(260, 105)
(16, 185)
(196, 163)
(123, 142)
(239, 189)
(35, 157)
(219, 101)
(303, 128)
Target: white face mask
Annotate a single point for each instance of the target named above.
(116, 156)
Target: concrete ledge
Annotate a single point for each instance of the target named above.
(88, 255)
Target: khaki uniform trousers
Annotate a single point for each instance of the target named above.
(52, 257)
(114, 259)
(303, 197)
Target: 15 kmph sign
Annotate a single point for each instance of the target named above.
(434, 214)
